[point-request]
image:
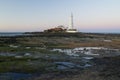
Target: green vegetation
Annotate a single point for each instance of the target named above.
(60, 40)
(26, 64)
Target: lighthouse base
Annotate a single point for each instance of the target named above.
(72, 31)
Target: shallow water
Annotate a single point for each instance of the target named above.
(70, 65)
(88, 58)
(90, 51)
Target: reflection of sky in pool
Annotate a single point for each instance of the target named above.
(70, 65)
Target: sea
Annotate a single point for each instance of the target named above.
(11, 33)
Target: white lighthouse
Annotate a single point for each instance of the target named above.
(71, 29)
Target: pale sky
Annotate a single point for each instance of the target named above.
(37, 15)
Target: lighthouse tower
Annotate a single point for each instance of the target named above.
(71, 28)
(72, 21)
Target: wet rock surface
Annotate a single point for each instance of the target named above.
(67, 61)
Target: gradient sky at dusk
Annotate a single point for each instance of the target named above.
(37, 15)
